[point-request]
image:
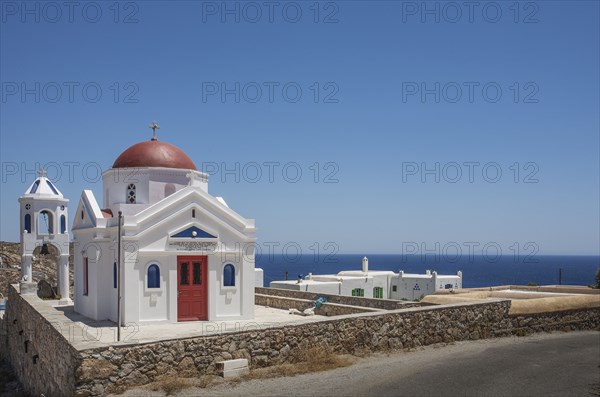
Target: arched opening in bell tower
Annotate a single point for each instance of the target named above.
(45, 263)
(45, 222)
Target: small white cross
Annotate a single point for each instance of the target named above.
(42, 173)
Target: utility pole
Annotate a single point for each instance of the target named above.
(560, 276)
(119, 278)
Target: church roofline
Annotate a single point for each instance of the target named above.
(238, 221)
(136, 227)
(43, 187)
(133, 171)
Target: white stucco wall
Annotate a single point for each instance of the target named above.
(147, 239)
(259, 277)
(442, 282)
(407, 286)
(150, 185)
(412, 288)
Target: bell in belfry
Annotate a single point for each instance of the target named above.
(44, 250)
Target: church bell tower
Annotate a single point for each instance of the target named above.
(44, 220)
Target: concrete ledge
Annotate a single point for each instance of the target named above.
(232, 364)
(234, 373)
(233, 368)
(27, 288)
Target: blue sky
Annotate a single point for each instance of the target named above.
(389, 90)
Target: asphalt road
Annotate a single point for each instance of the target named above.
(562, 365)
(559, 364)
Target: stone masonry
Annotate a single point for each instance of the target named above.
(385, 304)
(42, 358)
(62, 370)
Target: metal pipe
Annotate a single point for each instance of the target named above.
(119, 278)
(560, 276)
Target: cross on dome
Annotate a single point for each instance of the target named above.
(42, 173)
(154, 126)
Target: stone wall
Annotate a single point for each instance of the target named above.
(326, 309)
(385, 304)
(3, 340)
(381, 331)
(107, 369)
(60, 370)
(42, 358)
(569, 320)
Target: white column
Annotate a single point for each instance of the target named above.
(63, 278)
(27, 287)
(26, 264)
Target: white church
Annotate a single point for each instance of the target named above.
(185, 255)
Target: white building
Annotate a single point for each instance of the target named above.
(374, 284)
(185, 254)
(44, 220)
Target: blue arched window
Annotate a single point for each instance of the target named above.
(85, 275)
(229, 275)
(153, 276)
(28, 223)
(115, 275)
(63, 224)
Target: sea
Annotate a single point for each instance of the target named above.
(478, 271)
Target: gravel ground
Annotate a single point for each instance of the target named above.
(557, 364)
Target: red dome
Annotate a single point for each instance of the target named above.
(154, 154)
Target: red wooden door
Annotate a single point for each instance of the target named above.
(192, 291)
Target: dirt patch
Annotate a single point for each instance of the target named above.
(172, 385)
(543, 305)
(315, 359)
(522, 302)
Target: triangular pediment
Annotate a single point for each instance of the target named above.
(211, 215)
(193, 232)
(88, 212)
